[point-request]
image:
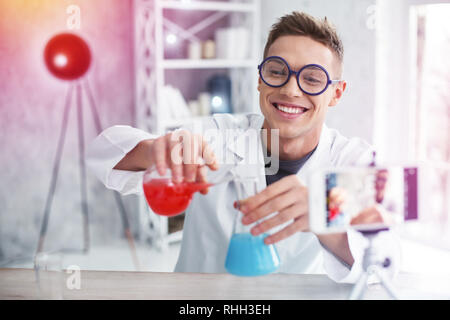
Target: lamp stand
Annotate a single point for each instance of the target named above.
(79, 86)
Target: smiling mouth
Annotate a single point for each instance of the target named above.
(289, 109)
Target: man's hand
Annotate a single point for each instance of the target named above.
(186, 154)
(288, 197)
(371, 215)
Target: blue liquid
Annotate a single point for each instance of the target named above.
(249, 256)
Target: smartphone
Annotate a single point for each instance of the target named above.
(362, 198)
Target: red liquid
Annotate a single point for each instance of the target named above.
(333, 213)
(167, 198)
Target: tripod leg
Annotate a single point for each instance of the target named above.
(127, 231)
(359, 288)
(56, 163)
(83, 181)
(95, 116)
(123, 214)
(387, 284)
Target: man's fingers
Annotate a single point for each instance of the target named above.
(374, 216)
(159, 154)
(275, 204)
(367, 216)
(176, 161)
(209, 157)
(300, 224)
(272, 191)
(282, 217)
(202, 175)
(184, 153)
(190, 172)
(202, 178)
(191, 151)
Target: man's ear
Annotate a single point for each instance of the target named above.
(338, 93)
(259, 84)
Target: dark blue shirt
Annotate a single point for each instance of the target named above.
(287, 167)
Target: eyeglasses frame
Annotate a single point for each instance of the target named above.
(297, 75)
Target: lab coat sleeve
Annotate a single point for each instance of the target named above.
(340, 271)
(387, 245)
(107, 149)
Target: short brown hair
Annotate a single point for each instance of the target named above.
(303, 24)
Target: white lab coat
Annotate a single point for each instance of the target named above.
(209, 219)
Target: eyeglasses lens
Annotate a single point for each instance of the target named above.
(275, 72)
(313, 79)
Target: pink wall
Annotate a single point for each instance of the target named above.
(25, 27)
(31, 104)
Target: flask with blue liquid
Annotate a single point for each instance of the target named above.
(248, 255)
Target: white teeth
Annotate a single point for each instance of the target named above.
(290, 109)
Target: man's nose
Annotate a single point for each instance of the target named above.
(291, 88)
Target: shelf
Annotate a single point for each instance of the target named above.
(207, 64)
(208, 5)
(152, 18)
(175, 237)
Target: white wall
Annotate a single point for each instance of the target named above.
(354, 114)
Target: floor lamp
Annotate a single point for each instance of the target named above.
(68, 57)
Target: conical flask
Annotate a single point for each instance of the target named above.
(248, 255)
(165, 197)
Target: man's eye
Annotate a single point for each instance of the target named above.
(312, 80)
(274, 72)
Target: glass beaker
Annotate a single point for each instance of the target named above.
(248, 255)
(164, 196)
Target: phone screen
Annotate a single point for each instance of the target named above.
(371, 197)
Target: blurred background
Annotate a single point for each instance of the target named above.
(158, 64)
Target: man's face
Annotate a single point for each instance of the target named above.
(299, 51)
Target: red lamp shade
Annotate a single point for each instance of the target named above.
(67, 56)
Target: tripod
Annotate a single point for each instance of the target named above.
(372, 264)
(79, 86)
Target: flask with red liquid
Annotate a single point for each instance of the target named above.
(164, 196)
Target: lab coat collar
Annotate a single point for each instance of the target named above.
(249, 157)
(238, 143)
(319, 159)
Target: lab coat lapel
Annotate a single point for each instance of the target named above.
(247, 148)
(320, 158)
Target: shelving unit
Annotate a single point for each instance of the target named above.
(230, 6)
(206, 64)
(152, 66)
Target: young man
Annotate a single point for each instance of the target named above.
(300, 78)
